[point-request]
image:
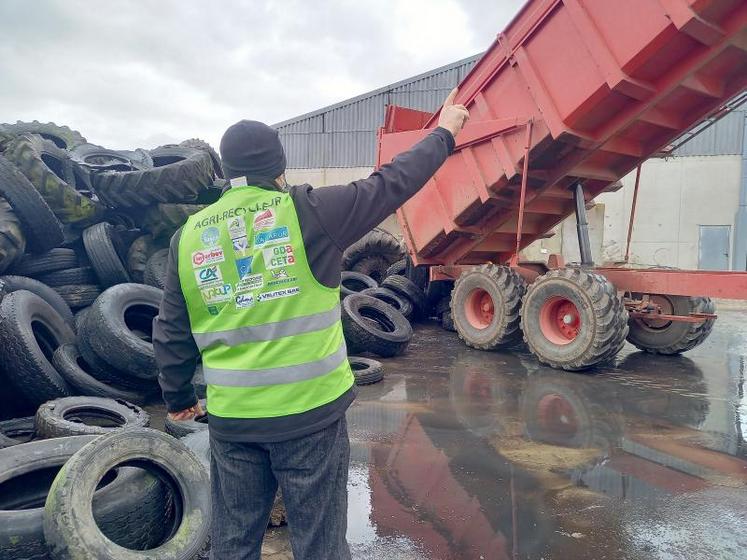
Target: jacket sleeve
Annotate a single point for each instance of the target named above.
(175, 349)
(348, 212)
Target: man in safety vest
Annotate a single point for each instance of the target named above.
(253, 289)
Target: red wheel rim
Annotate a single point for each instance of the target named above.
(560, 321)
(479, 309)
(555, 416)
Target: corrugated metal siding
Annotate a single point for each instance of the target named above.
(344, 134)
(726, 137)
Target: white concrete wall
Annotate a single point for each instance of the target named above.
(676, 196)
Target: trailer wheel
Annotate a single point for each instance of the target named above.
(671, 337)
(485, 306)
(573, 319)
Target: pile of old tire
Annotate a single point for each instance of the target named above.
(373, 254)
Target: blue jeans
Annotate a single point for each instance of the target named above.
(312, 472)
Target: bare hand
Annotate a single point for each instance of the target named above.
(188, 413)
(453, 117)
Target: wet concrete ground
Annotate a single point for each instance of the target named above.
(461, 454)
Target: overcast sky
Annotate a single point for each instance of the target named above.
(140, 73)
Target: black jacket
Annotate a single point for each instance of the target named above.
(331, 219)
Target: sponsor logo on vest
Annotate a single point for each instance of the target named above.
(210, 237)
(244, 266)
(276, 294)
(213, 309)
(208, 276)
(250, 282)
(217, 294)
(280, 277)
(277, 257)
(237, 227)
(238, 211)
(208, 256)
(264, 220)
(244, 301)
(240, 245)
(278, 235)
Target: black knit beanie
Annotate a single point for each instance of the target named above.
(252, 148)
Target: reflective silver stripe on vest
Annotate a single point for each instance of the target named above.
(269, 331)
(275, 376)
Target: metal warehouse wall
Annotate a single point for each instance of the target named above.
(344, 134)
(725, 138)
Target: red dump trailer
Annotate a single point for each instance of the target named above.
(571, 97)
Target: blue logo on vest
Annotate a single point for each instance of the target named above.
(210, 237)
(244, 266)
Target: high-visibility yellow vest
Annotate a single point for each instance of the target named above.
(269, 333)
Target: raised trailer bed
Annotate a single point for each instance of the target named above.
(572, 96)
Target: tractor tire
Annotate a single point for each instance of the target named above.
(374, 266)
(370, 325)
(69, 276)
(407, 288)
(30, 331)
(12, 236)
(198, 144)
(485, 306)
(98, 158)
(79, 296)
(51, 261)
(181, 428)
(50, 170)
(118, 329)
(377, 242)
(355, 282)
(156, 268)
(163, 220)
(102, 247)
(365, 370)
(70, 529)
(86, 416)
(178, 175)
(41, 227)
(14, 283)
(573, 319)
(138, 254)
(62, 136)
(400, 303)
(76, 371)
(447, 321)
(672, 337)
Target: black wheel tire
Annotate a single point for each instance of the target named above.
(107, 374)
(51, 261)
(447, 321)
(355, 282)
(62, 136)
(41, 227)
(12, 236)
(672, 337)
(155, 269)
(407, 288)
(419, 275)
(98, 158)
(81, 296)
(501, 287)
(138, 254)
(80, 316)
(69, 527)
(84, 416)
(370, 325)
(400, 303)
(27, 360)
(198, 144)
(50, 170)
(77, 372)
(133, 507)
(365, 370)
(377, 242)
(374, 266)
(181, 428)
(178, 175)
(435, 292)
(397, 268)
(102, 247)
(16, 431)
(602, 315)
(163, 220)
(14, 283)
(106, 328)
(68, 277)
